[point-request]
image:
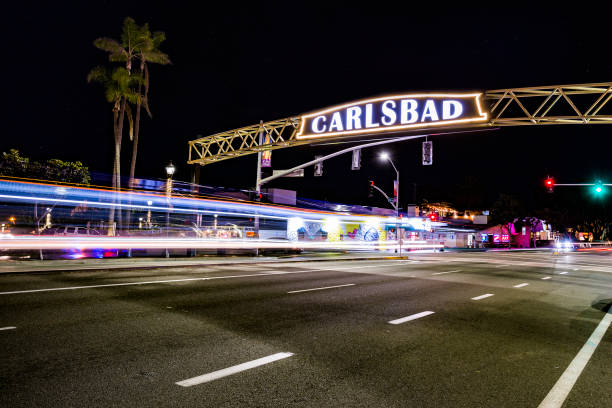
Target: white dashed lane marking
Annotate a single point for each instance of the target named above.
(442, 273)
(564, 385)
(411, 317)
(215, 375)
(326, 287)
(521, 285)
(486, 295)
(8, 328)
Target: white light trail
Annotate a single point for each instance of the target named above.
(40, 242)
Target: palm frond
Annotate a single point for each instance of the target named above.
(158, 37)
(115, 57)
(129, 33)
(156, 57)
(98, 74)
(109, 45)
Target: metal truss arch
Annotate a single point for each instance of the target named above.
(547, 105)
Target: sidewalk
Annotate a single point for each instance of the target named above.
(63, 265)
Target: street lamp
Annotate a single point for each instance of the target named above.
(169, 172)
(385, 157)
(149, 204)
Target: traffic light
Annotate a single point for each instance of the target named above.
(433, 217)
(549, 183)
(371, 189)
(318, 168)
(598, 187)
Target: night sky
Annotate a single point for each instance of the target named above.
(234, 65)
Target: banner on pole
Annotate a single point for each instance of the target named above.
(356, 164)
(427, 153)
(266, 155)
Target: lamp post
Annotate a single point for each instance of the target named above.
(385, 157)
(169, 172)
(149, 204)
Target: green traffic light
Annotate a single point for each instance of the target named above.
(598, 189)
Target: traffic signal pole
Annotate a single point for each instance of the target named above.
(350, 149)
(550, 185)
(582, 184)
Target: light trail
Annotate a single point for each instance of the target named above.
(97, 199)
(36, 242)
(100, 198)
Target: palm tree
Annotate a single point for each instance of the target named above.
(148, 52)
(125, 50)
(120, 88)
(136, 42)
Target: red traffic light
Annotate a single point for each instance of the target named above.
(433, 216)
(549, 183)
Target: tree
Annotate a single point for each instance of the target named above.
(120, 88)
(137, 42)
(505, 211)
(148, 51)
(14, 165)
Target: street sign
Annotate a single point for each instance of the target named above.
(356, 163)
(393, 113)
(427, 153)
(266, 155)
(318, 169)
(297, 173)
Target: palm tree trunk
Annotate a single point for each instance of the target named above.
(135, 144)
(134, 151)
(111, 217)
(118, 138)
(133, 163)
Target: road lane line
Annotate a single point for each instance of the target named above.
(442, 273)
(215, 375)
(267, 273)
(411, 317)
(563, 273)
(8, 328)
(564, 385)
(154, 282)
(326, 287)
(546, 277)
(520, 285)
(486, 295)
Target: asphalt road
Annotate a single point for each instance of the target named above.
(127, 337)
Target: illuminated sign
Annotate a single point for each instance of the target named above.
(392, 114)
(266, 155)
